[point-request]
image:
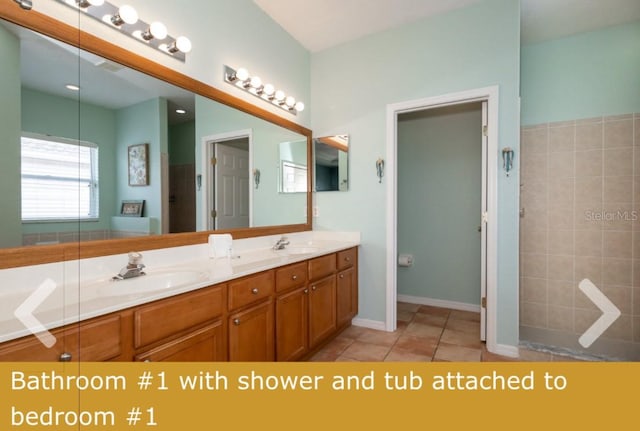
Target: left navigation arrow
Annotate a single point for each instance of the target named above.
(24, 313)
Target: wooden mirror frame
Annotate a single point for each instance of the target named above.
(33, 255)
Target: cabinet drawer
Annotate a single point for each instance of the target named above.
(96, 340)
(203, 345)
(322, 266)
(291, 276)
(164, 318)
(347, 258)
(250, 289)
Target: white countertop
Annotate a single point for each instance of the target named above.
(84, 288)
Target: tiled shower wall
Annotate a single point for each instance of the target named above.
(580, 201)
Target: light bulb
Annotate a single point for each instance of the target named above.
(158, 30)
(126, 14)
(280, 95)
(290, 101)
(269, 90)
(256, 82)
(242, 74)
(183, 44)
(299, 106)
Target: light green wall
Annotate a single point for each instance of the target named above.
(468, 48)
(439, 197)
(145, 122)
(47, 114)
(10, 214)
(587, 75)
(269, 206)
(182, 143)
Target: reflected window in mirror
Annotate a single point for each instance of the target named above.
(293, 167)
(331, 158)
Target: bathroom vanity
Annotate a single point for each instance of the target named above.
(264, 305)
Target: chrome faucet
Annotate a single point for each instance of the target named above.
(133, 269)
(281, 244)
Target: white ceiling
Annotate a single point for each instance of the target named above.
(321, 24)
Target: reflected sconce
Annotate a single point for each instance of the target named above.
(199, 182)
(380, 169)
(25, 4)
(240, 78)
(507, 159)
(126, 20)
(256, 177)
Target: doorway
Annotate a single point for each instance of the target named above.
(474, 233)
(227, 184)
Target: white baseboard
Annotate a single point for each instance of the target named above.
(367, 323)
(505, 350)
(454, 305)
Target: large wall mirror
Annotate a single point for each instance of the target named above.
(202, 150)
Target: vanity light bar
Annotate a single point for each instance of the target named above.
(253, 84)
(125, 19)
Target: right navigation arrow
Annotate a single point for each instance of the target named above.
(610, 313)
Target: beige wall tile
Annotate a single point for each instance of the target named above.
(560, 293)
(583, 319)
(616, 272)
(636, 329)
(636, 245)
(561, 242)
(561, 191)
(618, 162)
(534, 192)
(588, 243)
(636, 272)
(560, 318)
(535, 218)
(618, 217)
(589, 189)
(618, 117)
(560, 267)
(561, 164)
(622, 297)
(534, 141)
(588, 217)
(636, 188)
(560, 217)
(533, 241)
(534, 290)
(635, 303)
(617, 244)
(534, 265)
(618, 133)
(589, 135)
(583, 302)
(618, 189)
(533, 166)
(621, 329)
(636, 139)
(588, 267)
(533, 314)
(561, 138)
(636, 160)
(589, 163)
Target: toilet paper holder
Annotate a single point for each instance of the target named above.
(405, 260)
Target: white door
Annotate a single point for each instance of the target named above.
(232, 187)
(483, 227)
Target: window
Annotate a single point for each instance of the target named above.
(59, 179)
(294, 177)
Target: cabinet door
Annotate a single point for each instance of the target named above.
(251, 334)
(96, 340)
(203, 345)
(346, 296)
(30, 349)
(291, 325)
(322, 309)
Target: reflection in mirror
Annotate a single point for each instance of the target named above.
(115, 108)
(293, 167)
(331, 155)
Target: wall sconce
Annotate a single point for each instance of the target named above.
(126, 20)
(380, 169)
(253, 84)
(256, 177)
(507, 159)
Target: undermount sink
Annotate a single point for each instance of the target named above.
(153, 282)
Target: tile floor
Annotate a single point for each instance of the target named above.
(424, 334)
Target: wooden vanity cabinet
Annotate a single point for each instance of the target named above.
(202, 345)
(347, 286)
(322, 309)
(251, 319)
(292, 312)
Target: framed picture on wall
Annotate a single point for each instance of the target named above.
(132, 208)
(139, 165)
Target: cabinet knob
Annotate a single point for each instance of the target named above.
(147, 360)
(348, 259)
(341, 275)
(65, 357)
(306, 291)
(294, 277)
(313, 287)
(236, 322)
(254, 290)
